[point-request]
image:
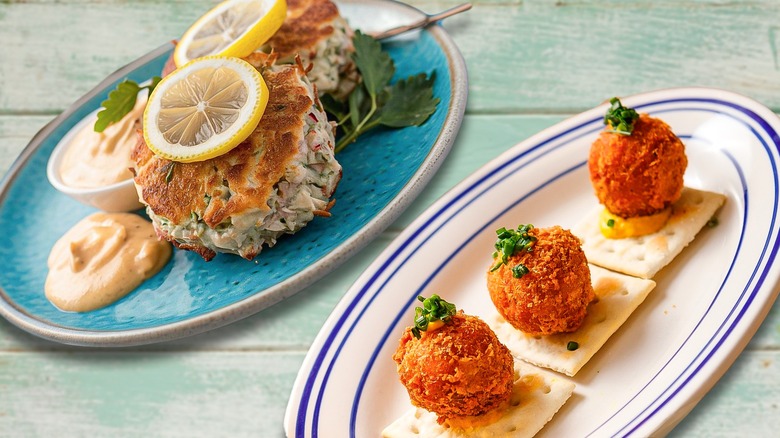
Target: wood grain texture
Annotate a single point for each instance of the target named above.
(744, 403)
(125, 394)
(532, 57)
(531, 64)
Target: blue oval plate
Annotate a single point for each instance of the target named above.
(706, 306)
(383, 172)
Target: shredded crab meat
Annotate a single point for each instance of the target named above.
(303, 192)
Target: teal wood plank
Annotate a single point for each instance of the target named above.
(15, 133)
(552, 58)
(532, 57)
(481, 139)
(124, 394)
(194, 394)
(744, 403)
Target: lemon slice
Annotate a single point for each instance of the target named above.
(204, 109)
(232, 28)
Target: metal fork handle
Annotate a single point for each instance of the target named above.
(422, 23)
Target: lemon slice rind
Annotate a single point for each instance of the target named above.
(201, 39)
(219, 143)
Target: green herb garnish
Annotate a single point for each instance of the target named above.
(375, 102)
(713, 222)
(571, 346)
(611, 223)
(511, 242)
(169, 173)
(121, 101)
(619, 118)
(433, 309)
(519, 270)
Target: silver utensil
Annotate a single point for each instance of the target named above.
(428, 19)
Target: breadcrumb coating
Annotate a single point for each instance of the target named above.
(553, 296)
(638, 174)
(455, 371)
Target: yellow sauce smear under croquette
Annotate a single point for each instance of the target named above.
(613, 226)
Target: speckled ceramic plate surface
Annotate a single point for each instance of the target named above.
(383, 172)
(706, 306)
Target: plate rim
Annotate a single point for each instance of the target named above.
(262, 299)
(689, 398)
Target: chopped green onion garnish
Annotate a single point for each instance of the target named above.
(611, 223)
(511, 242)
(169, 174)
(433, 309)
(619, 118)
(713, 222)
(571, 346)
(519, 270)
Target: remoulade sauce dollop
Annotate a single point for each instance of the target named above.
(99, 159)
(101, 259)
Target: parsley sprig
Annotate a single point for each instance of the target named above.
(511, 242)
(619, 118)
(121, 101)
(375, 102)
(433, 309)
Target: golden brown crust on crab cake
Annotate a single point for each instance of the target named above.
(307, 23)
(250, 170)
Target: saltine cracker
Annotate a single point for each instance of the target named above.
(644, 256)
(617, 296)
(536, 397)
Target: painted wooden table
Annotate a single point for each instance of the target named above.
(531, 64)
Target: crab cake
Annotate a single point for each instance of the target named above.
(544, 287)
(458, 370)
(316, 31)
(639, 174)
(272, 184)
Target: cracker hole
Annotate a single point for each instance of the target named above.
(601, 319)
(546, 389)
(537, 337)
(624, 292)
(414, 430)
(417, 414)
(515, 402)
(511, 429)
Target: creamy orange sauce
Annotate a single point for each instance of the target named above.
(469, 422)
(606, 286)
(98, 159)
(521, 390)
(101, 259)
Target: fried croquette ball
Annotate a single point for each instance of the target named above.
(639, 174)
(553, 293)
(460, 369)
